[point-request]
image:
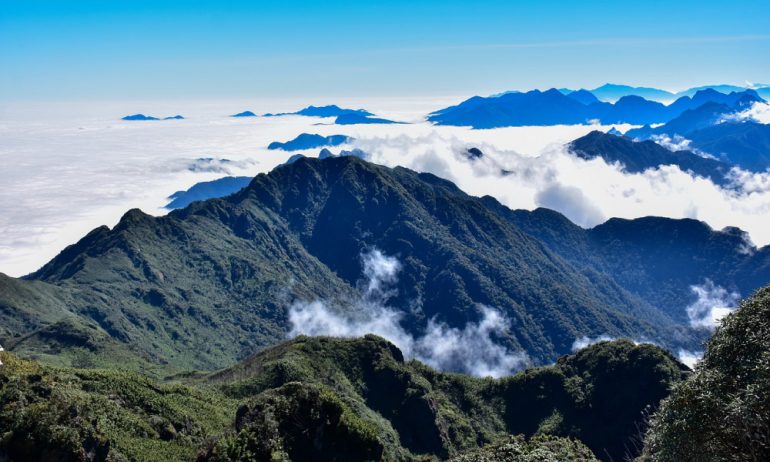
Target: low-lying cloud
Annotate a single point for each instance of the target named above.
(586, 191)
(472, 349)
(587, 341)
(689, 358)
(758, 112)
(713, 303)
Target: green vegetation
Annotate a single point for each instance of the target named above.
(324, 399)
(722, 413)
(598, 395)
(51, 414)
(538, 449)
(208, 285)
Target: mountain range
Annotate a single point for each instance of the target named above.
(713, 128)
(612, 92)
(173, 288)
(552, 107)
(639, 156)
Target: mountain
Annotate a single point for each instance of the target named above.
(514, 109)
(722, 88)
(207, 190)
(639, 156)
(176, 117)
(582, 96)
(552, 107)
(657, 259)
(612, 92)
(353, 119)
(207, 285)
(244, 114)
(711, 129)
(736, 100)
(324, 111)
(139, 117)
(325, 399)
(630, 109)
(720, 412)
(745, 144)
(308, 141)
(690, 120)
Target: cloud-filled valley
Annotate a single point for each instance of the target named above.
(100, 167)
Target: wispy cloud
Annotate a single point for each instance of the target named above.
(470, 349)
(712, 303)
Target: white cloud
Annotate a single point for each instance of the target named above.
(471, 349)
(585, 341)
(586, 191)
(758, 112)
(689, 358)
(100, 167)
(570, 201)
(679, 143)
(713, 303)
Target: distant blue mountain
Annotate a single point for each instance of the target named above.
(146, 117)
(324, 111)
(710, 129)
(745, 144)
(690, 120)
(139, 117)
(639, 156)
(613, 92)
(208, 190)
(552, 107)
(722, 88)
(244, 114)
(737, 100)
(514, 109)
(310, 141)
(581, 96)
(354, 119)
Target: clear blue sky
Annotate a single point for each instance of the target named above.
(112, 49)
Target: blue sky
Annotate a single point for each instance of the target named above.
(111, 49)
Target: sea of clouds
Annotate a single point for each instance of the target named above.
(67, 170)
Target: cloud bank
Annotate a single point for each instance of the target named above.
(472, 349)
(586, 191)
(758, 112)
(713, 303)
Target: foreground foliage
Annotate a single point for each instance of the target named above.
(722, 413)
(538, 449)
(51, 414)
(325, 399)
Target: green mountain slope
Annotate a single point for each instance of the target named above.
(210, 284)
(324, 399)
(657, 259)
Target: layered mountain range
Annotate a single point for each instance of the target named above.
(553, 107)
